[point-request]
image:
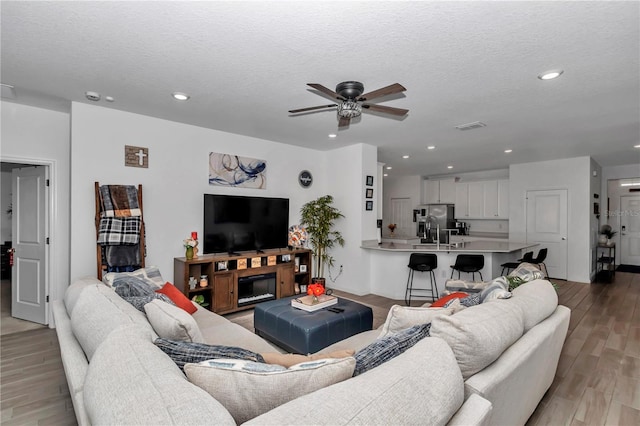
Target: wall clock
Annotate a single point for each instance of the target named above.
(305, 179)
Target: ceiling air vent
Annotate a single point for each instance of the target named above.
(471, 126)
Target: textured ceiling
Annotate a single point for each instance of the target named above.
(246, 63)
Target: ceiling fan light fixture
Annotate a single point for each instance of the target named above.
(349, 109)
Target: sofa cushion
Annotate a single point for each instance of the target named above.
(187, 352)
(421, 386)
(99, 311)
(177, 297)
(479, 334)
(389, 347)
(173, 323)
(150, 274)
(130, 381)
(403, 317)
(72, 293)
(537, 299)
(248, 392)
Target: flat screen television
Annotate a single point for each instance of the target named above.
(236, 223)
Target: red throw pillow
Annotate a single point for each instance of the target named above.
(443, 300)
(177, 297)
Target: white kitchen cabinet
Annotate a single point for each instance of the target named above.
(503, 199)
(482, 200)
(462, 201)
(441, 191)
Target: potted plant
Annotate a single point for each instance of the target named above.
(608, 233)
(318, 217)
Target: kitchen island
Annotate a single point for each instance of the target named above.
(388, 262)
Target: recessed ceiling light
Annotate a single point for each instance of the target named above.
(550, 75)
(449, 167)
(431, 147)
(389, 167)
(636, 146)
(332, 135)
(179, 96)
(405, 156)
(508, 151)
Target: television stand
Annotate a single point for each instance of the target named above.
(228, 274)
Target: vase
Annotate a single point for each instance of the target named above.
(314, 299)
(602, 239)
(189, 253)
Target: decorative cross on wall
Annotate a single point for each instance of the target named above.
(136, 156)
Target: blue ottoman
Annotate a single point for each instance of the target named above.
(302, 332)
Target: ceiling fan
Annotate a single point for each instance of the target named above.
(353, 102)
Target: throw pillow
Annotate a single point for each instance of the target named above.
(173, 323)
(187, 352)
(288, 360)
(178, 297)
(151, 274)
(443, 300)
(138, 302)
(526, 272)
(402, 317)
(382, 350)
(498, 289)
(247, 390)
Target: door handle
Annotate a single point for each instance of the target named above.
(623, 233)
(563, 239)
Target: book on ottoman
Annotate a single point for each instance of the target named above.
(306, 303)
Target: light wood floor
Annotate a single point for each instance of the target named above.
(597, 383)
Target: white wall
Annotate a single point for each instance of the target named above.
(5, 202)
(40, 136)
(572, 174)
(177, 178)
(347, 169)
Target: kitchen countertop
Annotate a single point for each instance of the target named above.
(466, 247)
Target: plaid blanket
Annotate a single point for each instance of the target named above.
(119, 201)
(118, 231)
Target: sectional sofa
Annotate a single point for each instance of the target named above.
(487, 364)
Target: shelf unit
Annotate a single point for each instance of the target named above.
(225, 271)
(606, 265)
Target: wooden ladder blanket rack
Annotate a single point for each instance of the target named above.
(100, 255)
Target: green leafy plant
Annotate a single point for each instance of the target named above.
(318, 217)
(199, 299)
(606, 230)
(515, 282)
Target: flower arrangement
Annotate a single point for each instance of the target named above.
(297, 236)
(190, 242)
(315, 290)
(191, 246)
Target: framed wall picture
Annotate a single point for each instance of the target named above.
(369, 192)
(369, 205)
(369, 180)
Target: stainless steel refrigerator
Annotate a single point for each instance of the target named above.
(432, 217)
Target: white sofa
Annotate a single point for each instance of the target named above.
(116, 375)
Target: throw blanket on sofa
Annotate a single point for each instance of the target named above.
(119, 201)
(115, 231)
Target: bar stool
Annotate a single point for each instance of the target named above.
(528, 256)
(422, 262)
(469, 263)
(539, 260)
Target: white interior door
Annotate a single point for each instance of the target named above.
(547, 226)
(630, 230)
(29, 278)
(402, 216)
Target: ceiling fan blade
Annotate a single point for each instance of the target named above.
(326, 91)
(344, 121)
(293, 111)
(389, 90)
(385, 109)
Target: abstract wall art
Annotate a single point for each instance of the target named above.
(236, 171)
